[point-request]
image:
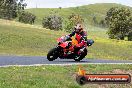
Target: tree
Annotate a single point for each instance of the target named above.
(60, 8)
(10, 8)
(21, 5)
(130, 30)
(52, 22)
(73, 19)
(119, 22)
(69, 25)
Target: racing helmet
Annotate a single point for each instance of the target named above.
(78, 28)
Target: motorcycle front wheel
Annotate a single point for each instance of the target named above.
(52, 54)
(80, 57)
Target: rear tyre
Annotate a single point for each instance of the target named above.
(79, 58)
(52, 54)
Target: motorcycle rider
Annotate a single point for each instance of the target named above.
(80, 36)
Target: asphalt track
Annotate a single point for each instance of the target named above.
(42, 60)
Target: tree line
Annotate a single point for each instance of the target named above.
(11, 9)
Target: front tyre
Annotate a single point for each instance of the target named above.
(80, 57)
(52, 54)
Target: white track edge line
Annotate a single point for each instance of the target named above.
(63, 64)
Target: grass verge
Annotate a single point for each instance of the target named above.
(57, 76)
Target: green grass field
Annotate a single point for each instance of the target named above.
(87, 12)
(57, 76)
(23, 39)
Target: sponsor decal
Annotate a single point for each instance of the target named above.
(83, 78)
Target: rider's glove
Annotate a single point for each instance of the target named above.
(66, 38)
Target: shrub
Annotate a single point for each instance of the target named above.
(52, 22)
(73, 19)
(26, 17)
(68, 26)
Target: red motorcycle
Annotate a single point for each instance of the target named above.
(65, 50)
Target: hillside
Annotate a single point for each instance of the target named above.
(23, 39)
(87, 12)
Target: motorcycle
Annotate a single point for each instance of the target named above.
(65, 49)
